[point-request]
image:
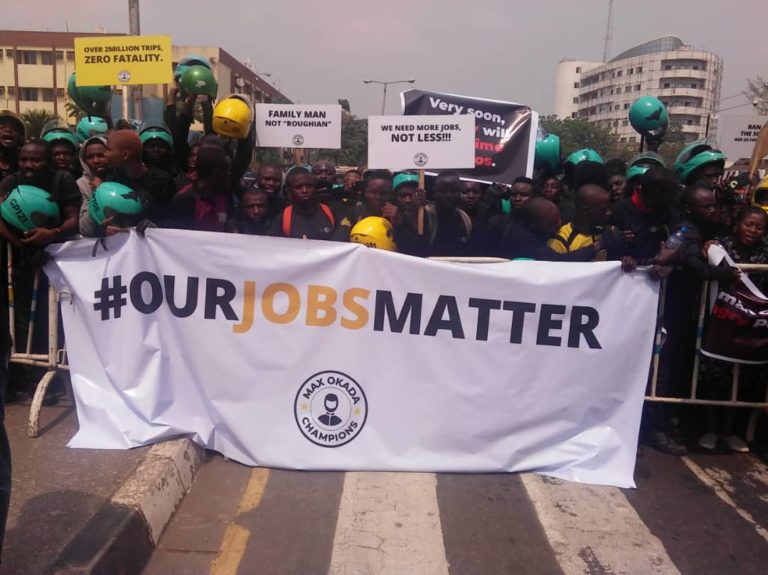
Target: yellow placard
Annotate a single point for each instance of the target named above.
(119, 60)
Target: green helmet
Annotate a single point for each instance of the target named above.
(548, 152)
(694, 156)
(198, 80)
(113, 199)
(91, 126)
(189, 61)
(637, 171)
(648, 115)
(61, 135)
(648, 159)
(29, 207)
(584, 155)
(156, 133)
(401, 179)
(91, 99)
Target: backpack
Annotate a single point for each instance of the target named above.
(431, 214)
(288, 218)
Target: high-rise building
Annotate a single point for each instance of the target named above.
(687, 80)
(35, 67)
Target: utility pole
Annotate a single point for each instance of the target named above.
(608, 32)
(134, 29)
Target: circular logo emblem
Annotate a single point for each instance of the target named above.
(330, 409)
(123, 76)
(298, 140)
(421, 159)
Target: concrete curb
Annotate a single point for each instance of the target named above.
(121, 537)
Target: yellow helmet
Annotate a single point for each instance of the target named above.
(374, 232)
(760, 198)
(232, 117)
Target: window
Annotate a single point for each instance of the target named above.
(11, 91)
(28, 94)
(620, 72)
(617, 107)
(632, 139)
(667, 85)
(667, 66)
(70, 55)
(28, 57)
(9, 53)
(695, 66)
(689, 122)
(639, 69)
(637, 87)
(46, 58)
(626, 106)
(618, 90)
(576, 100)
(686, 103)
(575, 84)
(59, 92)
(623, 140)
(694, 86)
(578, 69)
(615, 123)
(629, 71)
(2, 90)
(573, 114)
(624, 122)
(59, 54)
(47, 94)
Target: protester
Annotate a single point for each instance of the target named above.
(13, 133)
(552, 189)
(253, 215)
(747, 245)
(449, 228)
(377, 201)
(207, 204)
(94, 162)
(154, 186)
(305, 217)
(617, 179)
(592, 210)
(324, 172)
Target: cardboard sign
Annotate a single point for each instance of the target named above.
(738, 135)
(421, 142)
(298, 126)
(110, 60)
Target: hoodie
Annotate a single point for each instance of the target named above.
(85, 184)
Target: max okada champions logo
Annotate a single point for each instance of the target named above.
(330, 409)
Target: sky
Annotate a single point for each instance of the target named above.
(318, 52)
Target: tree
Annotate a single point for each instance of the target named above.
(354, 143)
(36, 120)
(578, 133)
(757, 93)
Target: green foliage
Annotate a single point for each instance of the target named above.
(74, 111)
(578, 133)
(354, 143)
(35, 120)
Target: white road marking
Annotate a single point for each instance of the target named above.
(594, 529)
(389, 523)
(717, 481)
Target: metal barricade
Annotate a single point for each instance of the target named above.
(758, 407)
(55, 360)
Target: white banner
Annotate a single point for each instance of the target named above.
(421, 142)
(321, 355)
(298, 126)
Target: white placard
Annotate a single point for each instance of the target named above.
(738, 135)
(298, 126)
(421, 142)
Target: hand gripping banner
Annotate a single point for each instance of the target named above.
(322, 355)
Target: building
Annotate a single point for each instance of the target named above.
(35, 67)
(687, 80)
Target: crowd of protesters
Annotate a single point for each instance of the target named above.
(578, 210)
